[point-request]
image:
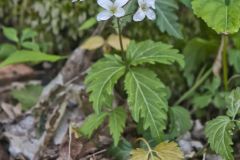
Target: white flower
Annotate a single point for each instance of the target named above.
(111, 9)
(145, 9)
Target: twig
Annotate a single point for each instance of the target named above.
(94, 154)
(70, 141)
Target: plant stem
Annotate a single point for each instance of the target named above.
(120, 38)
(22, 12)
(150, 151)
(194, 87)
(225, 62)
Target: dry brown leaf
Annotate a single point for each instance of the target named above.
(93, 43)
(169, 151)
(163, 151)
(113, 41)
(139, 154)
(14, 72)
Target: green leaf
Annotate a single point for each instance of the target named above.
(219, 100)
(153, 52)
(88, 24)
(117, 120)
(92, 123)
(180, 122)
(196, 53)
(27, 96)
(234, 59)
(31, 45)
(187, 3)
(28, 34)
(167, 19)
(222, 17)
(234, 103)
(122, 151)
(219, 133)
(11, 34)
(202, 101)
(214, 85)
(101, 80)
(6, 50)
(147, 99)
(24, 56)
(130, 8)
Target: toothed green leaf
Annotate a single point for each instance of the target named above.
(92, 123)
(180, 122)
(234, 103)
(153, 52)
(219, 133)
(101, 80)
(147, 99)
(167, 18)
(117, 120)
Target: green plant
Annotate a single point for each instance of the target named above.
(27, 96)
(146, 93)
(133, 76)
(23, 48)
(219, 131)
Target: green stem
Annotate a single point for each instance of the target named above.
(120, 38)
(194, 87)
(225, 62)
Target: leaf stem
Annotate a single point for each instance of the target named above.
(150, 151)
(194, 87)
(225, 62)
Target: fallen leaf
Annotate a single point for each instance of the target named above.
(169, 151)
(14, 72)
(139, 154)
(93, 43)
(113, 41)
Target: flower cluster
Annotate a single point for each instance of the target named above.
(146, 9)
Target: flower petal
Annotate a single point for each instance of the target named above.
(106, 4)
(140, 2)
(119, 12)
(139, 15)
(151, 3)
(104, 15)
(151, 14)
(121, 3)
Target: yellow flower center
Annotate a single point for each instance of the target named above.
(113, 9)
(144, 7)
